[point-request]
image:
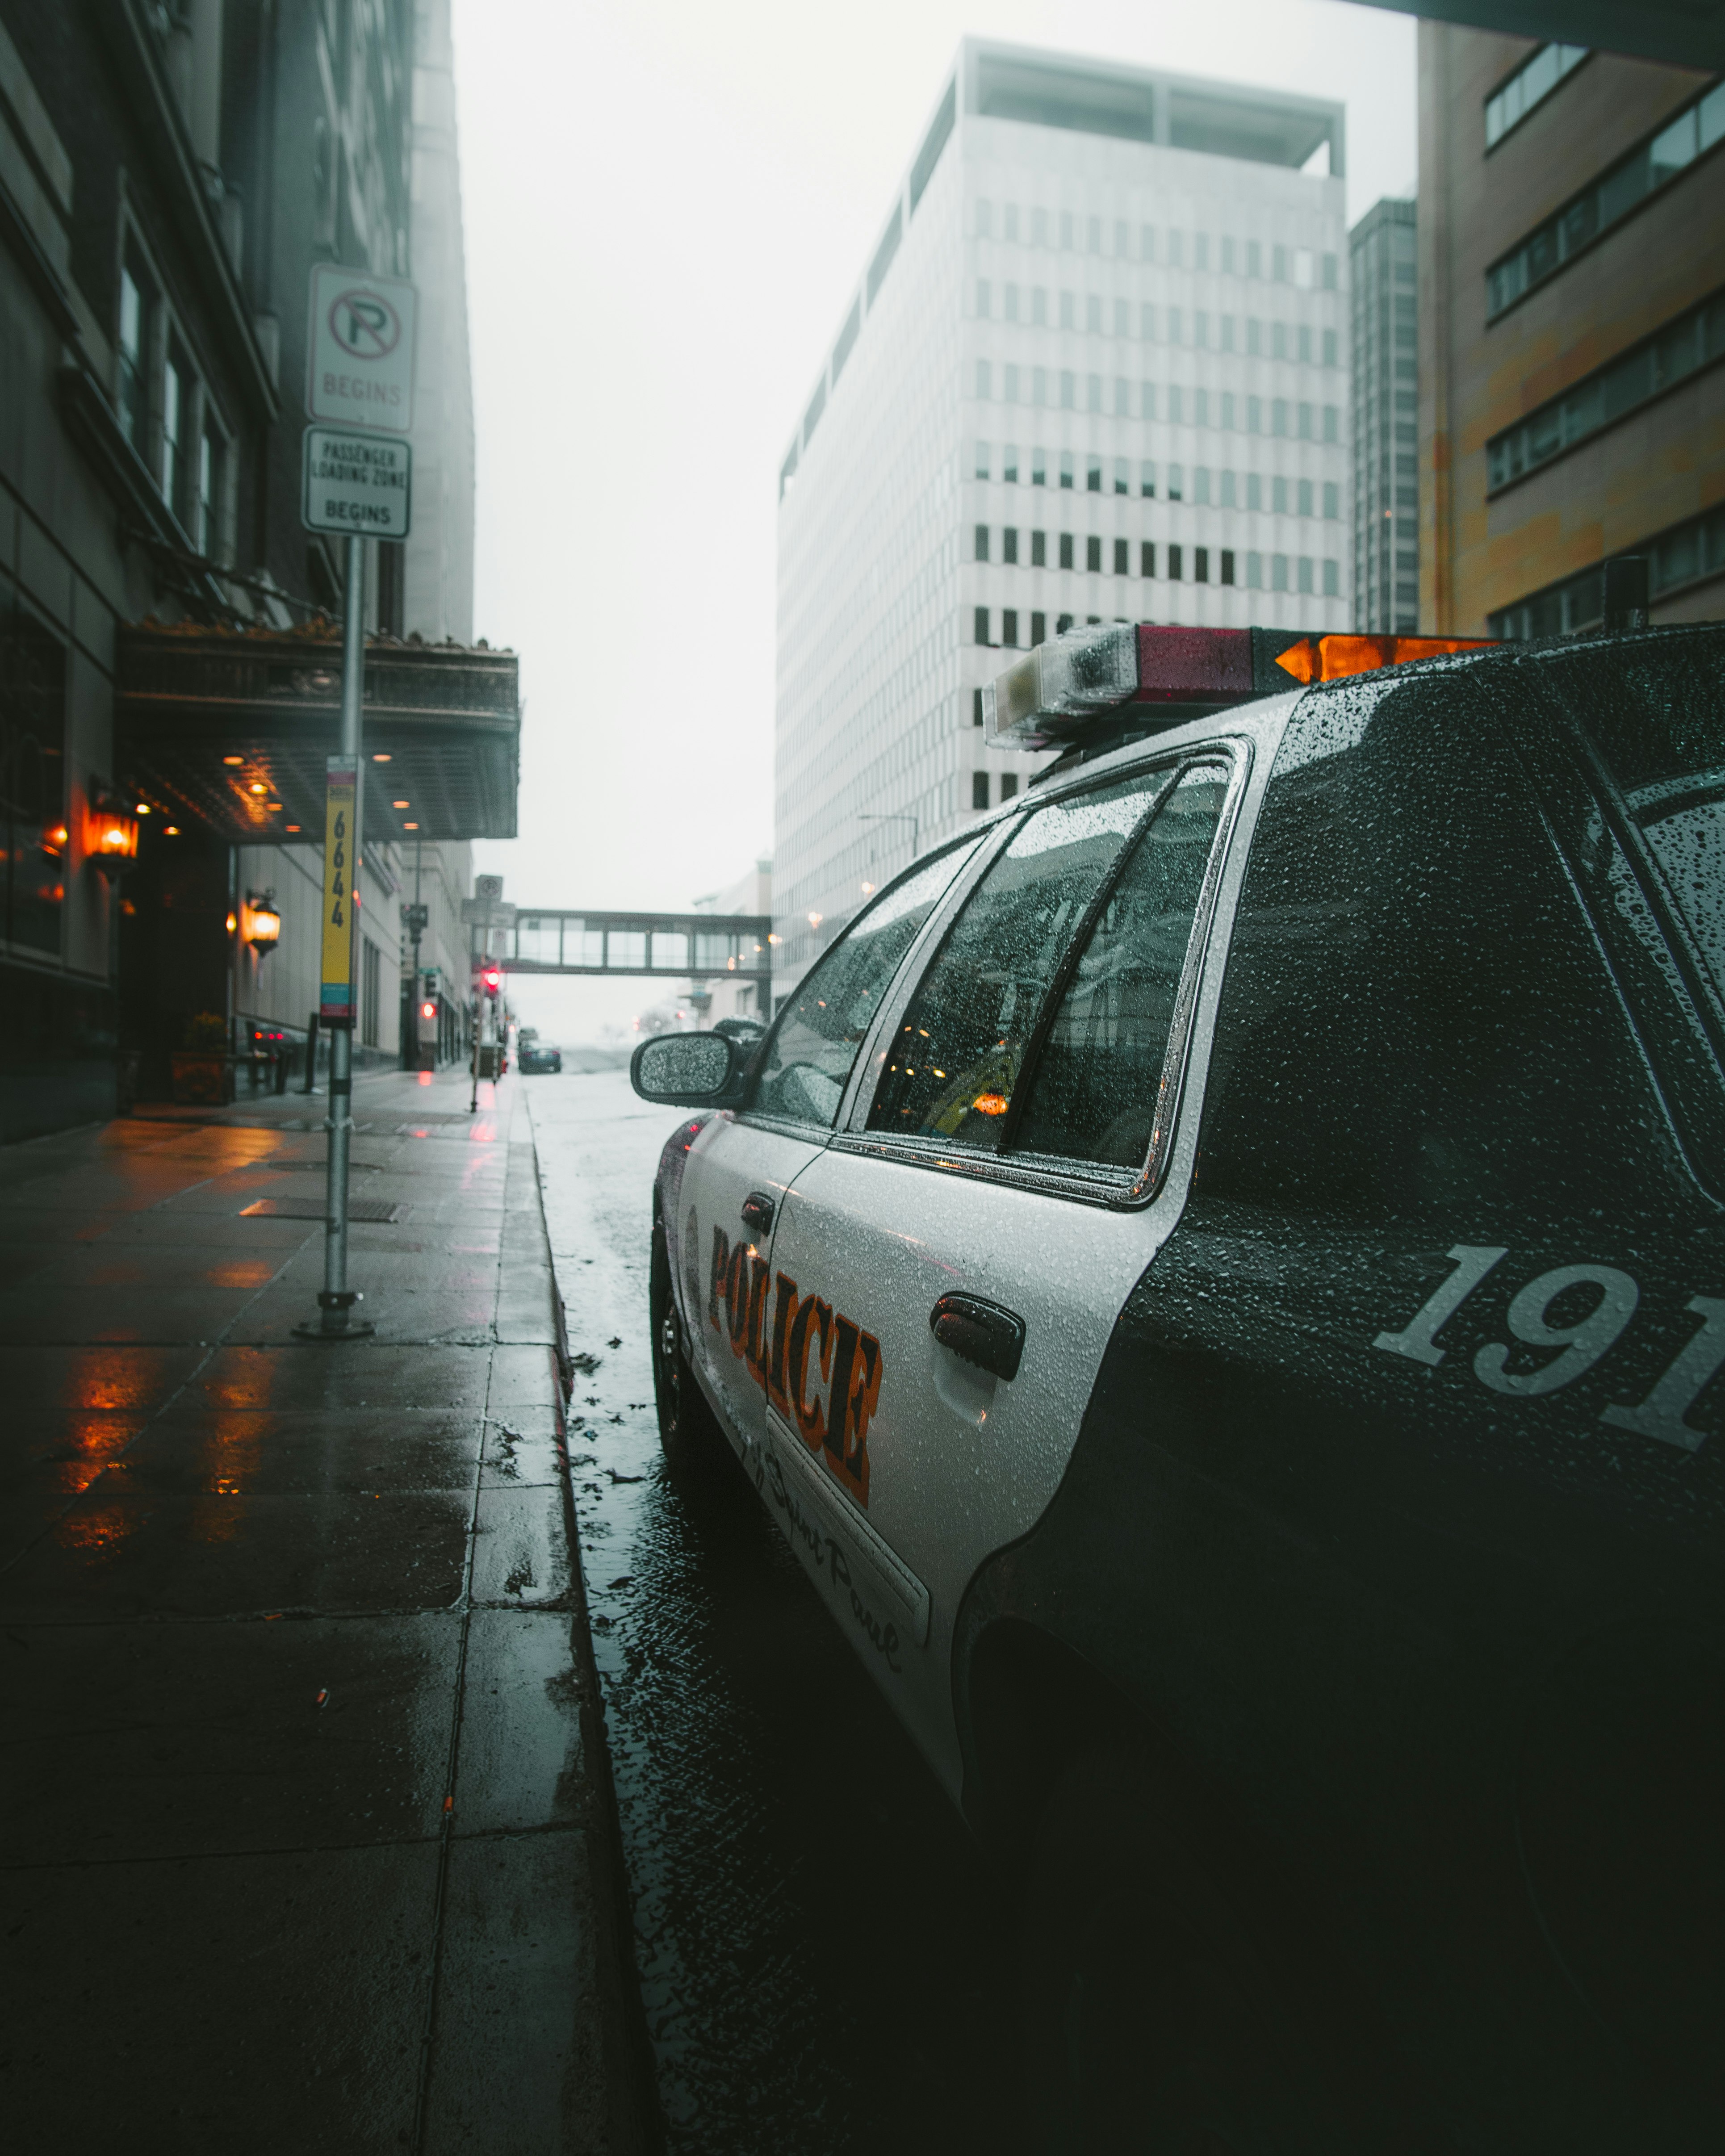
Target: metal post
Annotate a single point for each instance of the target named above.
(336, 1303)
(311, 1085)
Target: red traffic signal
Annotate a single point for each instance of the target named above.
(491, 979)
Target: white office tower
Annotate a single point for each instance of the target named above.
(1095, 369)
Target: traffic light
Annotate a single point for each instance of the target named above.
(492, 980)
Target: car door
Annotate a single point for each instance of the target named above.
(949, 1270)
(740, 1163)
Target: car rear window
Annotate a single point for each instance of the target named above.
(1656, 715)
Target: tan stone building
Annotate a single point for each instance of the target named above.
(1572, 324)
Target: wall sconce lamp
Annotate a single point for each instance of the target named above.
(111, 833)
(263, 926)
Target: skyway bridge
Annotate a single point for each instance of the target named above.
(685, 947)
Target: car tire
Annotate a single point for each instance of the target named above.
(686, 1421)
(1152, 2023)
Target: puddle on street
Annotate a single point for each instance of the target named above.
(823, 1966)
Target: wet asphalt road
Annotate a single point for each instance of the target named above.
(822, 1964)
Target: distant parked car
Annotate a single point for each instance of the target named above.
(535, 1056)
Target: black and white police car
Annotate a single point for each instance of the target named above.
(1219, 1274)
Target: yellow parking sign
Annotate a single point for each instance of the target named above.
(341, 836)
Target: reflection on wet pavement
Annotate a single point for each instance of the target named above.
(822, 1961)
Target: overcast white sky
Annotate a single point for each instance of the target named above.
(668, 203)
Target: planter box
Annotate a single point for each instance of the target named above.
(203, 1080)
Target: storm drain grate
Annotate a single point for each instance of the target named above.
(371, 1209)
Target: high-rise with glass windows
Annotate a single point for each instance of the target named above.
(1095, 369)
(1383, 295)
(1572, 325)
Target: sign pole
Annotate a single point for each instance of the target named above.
(341, 935)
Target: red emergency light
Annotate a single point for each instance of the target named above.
(1057, 690)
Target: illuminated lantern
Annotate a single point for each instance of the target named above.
(111, 835)
(263, 922)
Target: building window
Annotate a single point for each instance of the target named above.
(1255, 572)
(1332, 500)
(982, 542)
(1651, 165)
(1174, 567)
(207, 538)
(1684, 554)
(1331, 355)
(173, 422)
(1039, 467)
(1093, 314)
(1147, 557)
(1039, 550)
(979, 789)
(1200, 565)
(1305, 427)
(1009, 465)
(1038, 627)
(1123, 476)
(1009, 543)
(1305, 498)
(1228, 411)
(1069, 390)
(1278, 572)
(1009, 627)
(981, 467)
(1332, 580)
(1306, 577)
(1201, 483)
(1065, 550)
(1279, 265)
(1009, 299)
(982, 298)
(1694, 340)
(1279, 416)
(1038, 306)
(1122, 557)
(1093, 475)
(1254, 415)
(1066, 471)
(134, 365)
(1062, 624)
(1229, 487)
(1533, 81)
(1122, 315)
(1093, 393)
(1147, 393)
(1333, 422)
(1009, 784)
(1279, 496)
(984, 388)
(975, 707)
(1093, 555)
(1122, 397)
(1173, 325)
(1227, 565)
(33, 842)
(1146, 479)
(982, 626)
(1176, 484)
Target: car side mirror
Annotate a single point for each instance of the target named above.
(688, 1070)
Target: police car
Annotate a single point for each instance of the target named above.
(1218, 1273)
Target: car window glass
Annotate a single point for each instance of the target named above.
(1092, 1092)
(952, 1067)
(1658, 720)
(806, 1064)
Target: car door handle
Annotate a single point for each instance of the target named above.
(983, 1332)
(757, 1210)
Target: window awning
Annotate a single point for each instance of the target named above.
(230, 729)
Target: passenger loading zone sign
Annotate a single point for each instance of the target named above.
(359, 350)
(340, 831)
(358, 483)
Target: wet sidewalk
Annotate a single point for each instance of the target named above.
(308, 1840)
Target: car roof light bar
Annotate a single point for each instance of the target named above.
(1167, 674)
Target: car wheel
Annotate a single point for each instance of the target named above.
(1152, 2024)
(685, 1418)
